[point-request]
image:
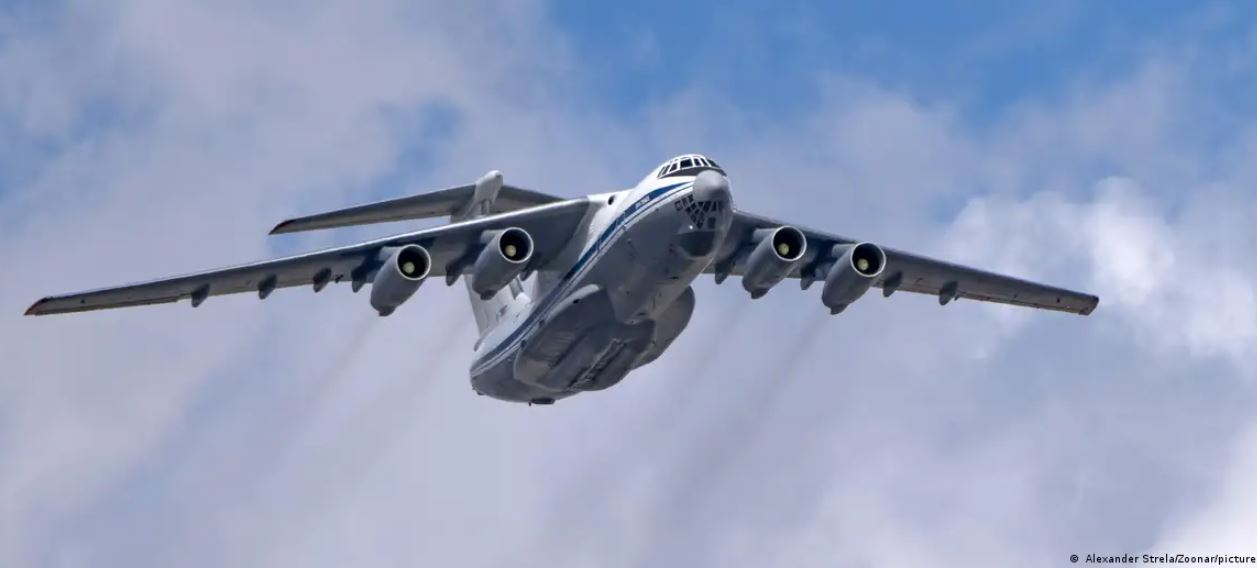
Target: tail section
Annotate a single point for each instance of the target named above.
(489, 310)
(483, 194)
(488, 196)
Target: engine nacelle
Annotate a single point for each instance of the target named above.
(776, 253)
(404, 269)
(853, 271)
(505, 255)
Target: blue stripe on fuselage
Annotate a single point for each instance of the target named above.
(581, 263)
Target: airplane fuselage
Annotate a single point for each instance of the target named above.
(618, 299)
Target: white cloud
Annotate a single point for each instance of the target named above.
(1191, 295)
(241, 117)
(1225, 524)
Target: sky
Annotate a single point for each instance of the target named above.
(1101, 147)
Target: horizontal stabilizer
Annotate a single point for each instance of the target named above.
(446, 202)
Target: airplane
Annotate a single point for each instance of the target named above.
(570, 295)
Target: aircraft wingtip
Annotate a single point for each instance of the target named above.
(279, 229)
(31, 311)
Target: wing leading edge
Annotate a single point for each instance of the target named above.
(450, 247)
(904, 271)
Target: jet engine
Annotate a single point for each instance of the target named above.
(776, 253)
(404, 269)
(504, 256)
(853, 271)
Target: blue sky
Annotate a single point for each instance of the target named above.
(983, 56)
(1103, 147)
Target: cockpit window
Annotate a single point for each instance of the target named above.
(687, 166)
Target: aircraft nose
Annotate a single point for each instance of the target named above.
(707, 212)
(711, 185)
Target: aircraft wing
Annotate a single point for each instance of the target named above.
(451, 246)
(904, 271)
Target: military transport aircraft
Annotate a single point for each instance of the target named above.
(572, 294)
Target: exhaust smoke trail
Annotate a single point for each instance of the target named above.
(365, 436)
(383, 417)
(389, 409)
(297, 416)
(609, 470)
(696, 371)
(710, 457)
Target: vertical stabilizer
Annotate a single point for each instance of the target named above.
(484, 193)
(488, 311)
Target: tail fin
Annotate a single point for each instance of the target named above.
(485, 199)
(487, 196)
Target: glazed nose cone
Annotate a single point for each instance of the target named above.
(712, 201)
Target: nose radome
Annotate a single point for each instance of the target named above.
(711, 185)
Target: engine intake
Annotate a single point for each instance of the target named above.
(403, 271)
(505, 255)
(852, 273)
(776, 253)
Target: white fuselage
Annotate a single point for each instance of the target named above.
(612, 301)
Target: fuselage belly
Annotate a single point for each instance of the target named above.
(620, 303)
